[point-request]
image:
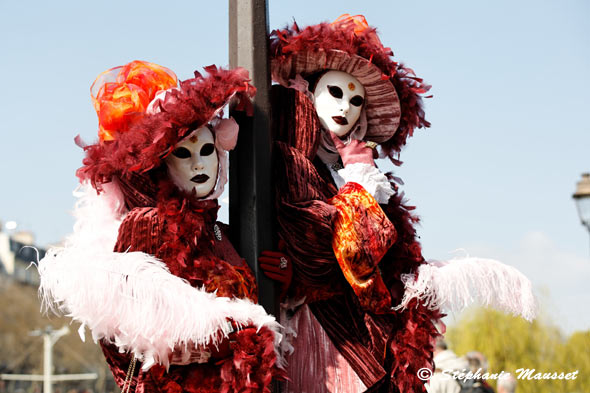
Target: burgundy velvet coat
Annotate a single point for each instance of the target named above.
(179, 230)
(386, 351)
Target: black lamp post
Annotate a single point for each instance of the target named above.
(582, 198)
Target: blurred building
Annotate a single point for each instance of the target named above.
(17, 251)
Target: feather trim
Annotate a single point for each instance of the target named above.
(131, 299)
(98, 217)
(196, 102)
(454, 285)
(291, 42)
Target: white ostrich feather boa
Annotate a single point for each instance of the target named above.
(456, 284)
(131, 299)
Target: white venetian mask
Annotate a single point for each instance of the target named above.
(338, 101)
(193, 164)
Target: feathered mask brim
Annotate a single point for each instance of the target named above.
(394, 102)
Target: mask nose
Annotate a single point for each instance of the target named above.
(344, 107)
(198, 163)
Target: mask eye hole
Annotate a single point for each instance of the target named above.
(357, 100)
(207, 149)
(335, 91)
(181, 152)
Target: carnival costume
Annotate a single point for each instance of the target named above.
(174, 295)
(362, 319)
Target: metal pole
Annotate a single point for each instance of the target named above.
(251, 192)
(50, 336)
(47, 362)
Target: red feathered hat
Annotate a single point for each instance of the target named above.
(393, 101)
(153, 117)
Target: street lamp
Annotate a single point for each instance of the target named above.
(582, 198)
(50, 336)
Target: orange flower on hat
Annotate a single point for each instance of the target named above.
(122, 94)
(359, 22)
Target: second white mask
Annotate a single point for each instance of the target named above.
(338, 101)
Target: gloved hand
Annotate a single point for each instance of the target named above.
(354, 152)
(277, 266)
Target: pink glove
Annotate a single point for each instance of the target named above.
(356, 151)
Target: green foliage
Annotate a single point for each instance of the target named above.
(511, 343)
(576, 355)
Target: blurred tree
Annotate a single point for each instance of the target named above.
(511, 343)
(576, 356)
(23, 354)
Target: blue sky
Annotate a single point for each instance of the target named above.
(493, 175)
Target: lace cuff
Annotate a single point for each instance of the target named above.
(368, 176)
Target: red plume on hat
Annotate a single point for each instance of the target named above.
(149, 133)
(349, 44)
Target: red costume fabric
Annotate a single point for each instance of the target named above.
(176, 227)
(362, 236)
(179, 230)
(386, 350)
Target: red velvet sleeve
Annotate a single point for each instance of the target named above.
(305, 218)
(252, 359)
(139, 231)
(308, 217)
